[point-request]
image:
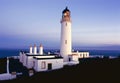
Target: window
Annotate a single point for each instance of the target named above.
(43, 65)
(80, 55)
(66, 24)
(65, 41)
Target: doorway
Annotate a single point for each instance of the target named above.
(49, 66)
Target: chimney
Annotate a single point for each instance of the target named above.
(35, 49)
(30, 50)
(41, 49)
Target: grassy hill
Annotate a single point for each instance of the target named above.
(3, 65)
(88, 71)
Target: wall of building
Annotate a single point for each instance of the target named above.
(74, 57)
(42, 65)
(21, 57)
(35, 64)
(24, 60)
(66, 44)
(29, 62)
(82, 54)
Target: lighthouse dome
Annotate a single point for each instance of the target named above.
(66, 10)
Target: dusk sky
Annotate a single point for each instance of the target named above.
(28, 22)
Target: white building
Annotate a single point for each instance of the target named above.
(39, 61)
(43, 62)
(50, 62)
(81, 54)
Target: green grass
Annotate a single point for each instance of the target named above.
(88, 71)
(3, 65)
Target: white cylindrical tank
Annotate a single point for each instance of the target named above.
(35, 49)
(41, 49)
(30, 50)
(65, 47)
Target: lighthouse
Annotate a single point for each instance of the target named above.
(66, 44)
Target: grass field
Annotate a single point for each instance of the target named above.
(88, 71)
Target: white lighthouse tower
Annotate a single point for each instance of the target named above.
(65, 47)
